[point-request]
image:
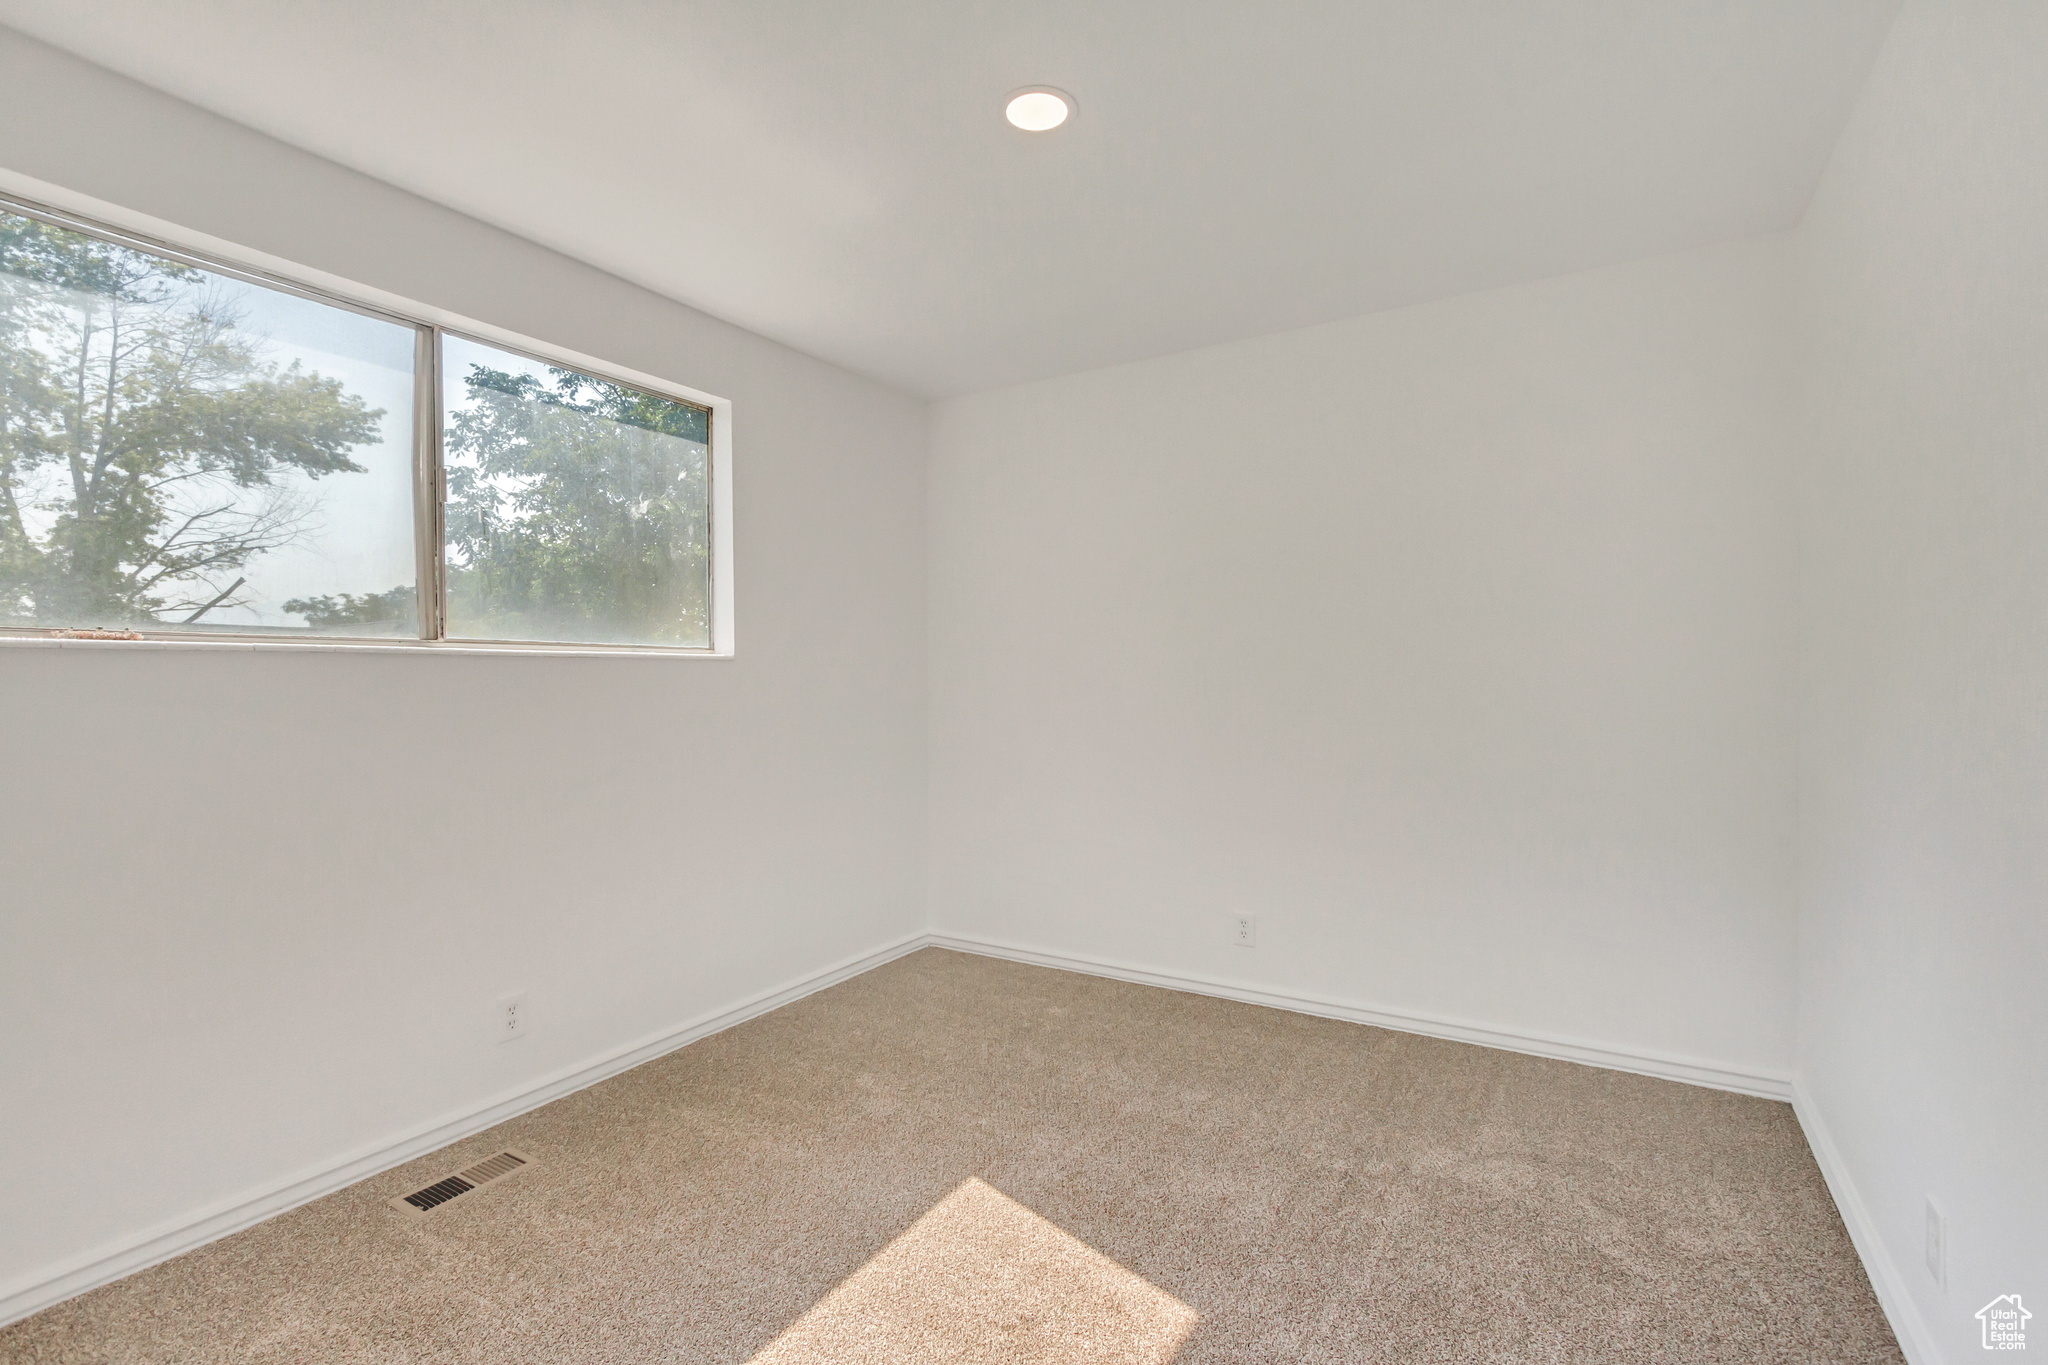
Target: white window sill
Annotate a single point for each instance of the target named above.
(334, 645)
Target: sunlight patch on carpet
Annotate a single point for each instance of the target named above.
(981, 1278)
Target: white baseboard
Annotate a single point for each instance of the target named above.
(34, 1293)
(41, 1290)
(1689, 1070)
(1889, 1285)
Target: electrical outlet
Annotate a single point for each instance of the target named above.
(511, 1017)
(1937, 1243)
(1244, 930)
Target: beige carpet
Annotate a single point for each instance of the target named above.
(958, 1159)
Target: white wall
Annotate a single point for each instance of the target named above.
(1923, 1039)
(1455, 642)
(255, 909)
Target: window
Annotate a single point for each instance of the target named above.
(576, 508)
(187, 448)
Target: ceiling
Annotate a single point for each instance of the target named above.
(839, 176)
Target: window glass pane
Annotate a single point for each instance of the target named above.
(577, 508)
(181, 450)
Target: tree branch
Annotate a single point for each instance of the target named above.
(214, 603)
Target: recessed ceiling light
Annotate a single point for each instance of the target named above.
(1038, 108)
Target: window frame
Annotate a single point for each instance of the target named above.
(429, 474)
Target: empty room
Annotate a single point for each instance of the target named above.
(792, 684)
